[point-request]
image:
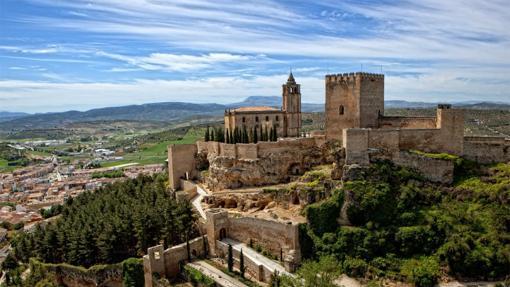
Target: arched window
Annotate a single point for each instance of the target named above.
(244, 119)
(257, 119)
(341, 110)
(267, 119)
(277, 118)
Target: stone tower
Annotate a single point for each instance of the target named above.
(291, 92)
(354, 100)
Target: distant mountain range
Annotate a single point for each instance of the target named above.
(7, 116)
(179, 111)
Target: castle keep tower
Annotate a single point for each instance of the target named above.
(291, 93)
(354, 100)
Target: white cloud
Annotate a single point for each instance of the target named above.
(33, 96)
(175, 62)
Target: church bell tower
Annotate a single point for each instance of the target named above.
(291, 107)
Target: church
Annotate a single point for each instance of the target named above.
(286, 121)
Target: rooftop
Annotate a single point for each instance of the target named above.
(256, 109)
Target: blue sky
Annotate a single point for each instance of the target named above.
(58, 55)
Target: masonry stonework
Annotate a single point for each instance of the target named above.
(286, 120)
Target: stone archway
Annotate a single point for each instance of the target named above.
(223, 233)
(295, 169)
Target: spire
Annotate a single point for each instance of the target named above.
(291, 78)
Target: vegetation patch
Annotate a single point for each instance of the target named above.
(110, 225)
(407, 229)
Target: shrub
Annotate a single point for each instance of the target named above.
(132, 272)
(355, 267)
(322, 216)
(423, 272)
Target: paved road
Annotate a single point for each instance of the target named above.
(257, 257)
(217, 275)
(197, 201)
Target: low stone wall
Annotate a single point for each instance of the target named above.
(433, 169)
(253, 268)
(166, 262)
(487, 149)
(407, 122)
(273, 236)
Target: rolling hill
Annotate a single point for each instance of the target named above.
(181, 111)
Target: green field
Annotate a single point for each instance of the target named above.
(155, 153)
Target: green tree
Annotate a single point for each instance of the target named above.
(207, 135)
(230, 259)
(241, 263)
(320, 273)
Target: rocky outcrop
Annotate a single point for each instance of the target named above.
(272, 168)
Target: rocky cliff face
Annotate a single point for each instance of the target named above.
(226, 172)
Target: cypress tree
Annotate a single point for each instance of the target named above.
(231, 137)
(241, 263)
(207, 136)
(255, 135)
(227, 138)
(230, 259)
(245, 135)
(212, 137)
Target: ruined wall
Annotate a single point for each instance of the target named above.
(407, 122)
(433, 169)
(273, 236)
(487, 149)
(166, 262)
(275, 163)
(253, 268)
(181, 160)
(355, 142)
(247, 151)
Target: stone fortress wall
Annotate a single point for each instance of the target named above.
(278, 238)
(165, 262)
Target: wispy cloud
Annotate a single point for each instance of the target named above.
(175, 62)
(430, 49)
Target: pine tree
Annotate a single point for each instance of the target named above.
(241, 263)
(207, 136)
(230, 259)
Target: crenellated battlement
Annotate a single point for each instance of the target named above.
(347, 77)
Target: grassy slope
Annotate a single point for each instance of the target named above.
(154, 153)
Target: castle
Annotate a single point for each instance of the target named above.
(286, 121)
(356, 134)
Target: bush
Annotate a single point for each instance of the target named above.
(322, 216)
(132, 273)
(355, 267)
(196, 277)
(423, 272)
